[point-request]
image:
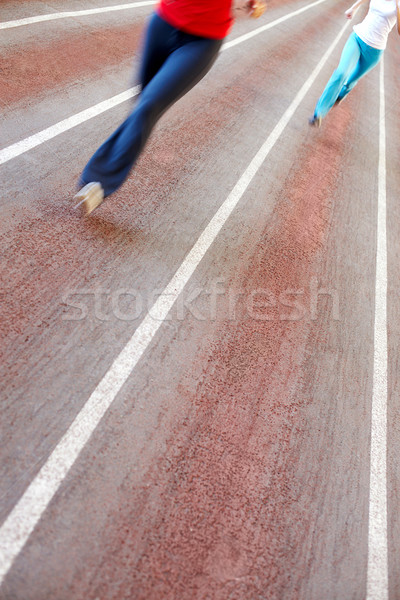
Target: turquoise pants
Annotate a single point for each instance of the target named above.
(357, 59)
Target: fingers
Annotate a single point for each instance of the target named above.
(257, 8)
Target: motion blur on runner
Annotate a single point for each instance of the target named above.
(182, 42)
(362, 52)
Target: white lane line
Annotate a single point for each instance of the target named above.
(377, 574)
(76, 13)
(22, 520)
(247, 36)
(51, 132)
(95, 11)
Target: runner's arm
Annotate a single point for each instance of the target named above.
(350, 11)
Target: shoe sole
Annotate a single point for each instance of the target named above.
(90, 197)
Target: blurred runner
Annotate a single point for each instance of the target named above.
(181, 44)
(361, 53)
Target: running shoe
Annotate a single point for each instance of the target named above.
(90, 197)
(315, 121)
(338, 101)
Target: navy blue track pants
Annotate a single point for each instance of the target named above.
(173, 62)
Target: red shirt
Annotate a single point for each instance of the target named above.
(206, 18)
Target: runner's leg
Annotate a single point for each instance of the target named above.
(156, 48)
(368, 60)
(348, 61)
(189, 61)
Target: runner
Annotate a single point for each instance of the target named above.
(361, 53)
(181, 44)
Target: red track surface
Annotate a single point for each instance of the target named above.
(234, 462)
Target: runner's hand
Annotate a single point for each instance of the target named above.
(249, 8)
(256, 8)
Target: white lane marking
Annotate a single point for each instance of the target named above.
(49, 133)
(22, 520)
(76, 13)
(247, 36)
(377, 574)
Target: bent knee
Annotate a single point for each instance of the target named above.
(149, 109)
(339, 75)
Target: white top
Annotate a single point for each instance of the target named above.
(378, 23)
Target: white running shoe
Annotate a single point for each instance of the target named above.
(315, 121)
(90, 197)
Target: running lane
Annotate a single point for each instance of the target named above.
(393, 182)
(234, 463)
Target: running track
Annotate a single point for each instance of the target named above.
(200, 382)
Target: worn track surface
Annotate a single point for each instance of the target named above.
(234, 463)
